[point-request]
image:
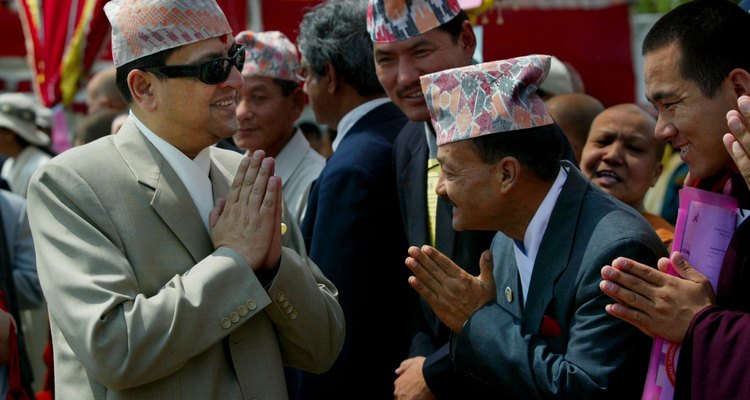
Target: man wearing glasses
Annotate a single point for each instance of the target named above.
(164, 270)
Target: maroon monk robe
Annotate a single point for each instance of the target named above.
(714, 360)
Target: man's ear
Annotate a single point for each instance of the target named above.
(740, 79)
(333, 83)
(508, 172)
(141, 85)
(467, 40)
(297, 97)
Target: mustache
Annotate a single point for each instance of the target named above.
(409, 89)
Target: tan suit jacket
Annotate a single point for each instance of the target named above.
(143, 307)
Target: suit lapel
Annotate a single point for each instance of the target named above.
(506, 275)
(555, 249)
(414, 178)
(164, 189)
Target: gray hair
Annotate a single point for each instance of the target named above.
(335, 32)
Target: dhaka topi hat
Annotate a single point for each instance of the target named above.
(270, 54)
(390, 21)
(144, 27)
(487, 98)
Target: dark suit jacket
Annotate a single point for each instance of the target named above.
(353, 232)
(410, 153)
(514, 351)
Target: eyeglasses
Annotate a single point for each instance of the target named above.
(210, 72)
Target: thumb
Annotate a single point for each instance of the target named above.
(684, 269)
(486, 267)
(213, 216)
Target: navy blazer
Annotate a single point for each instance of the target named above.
(353, 231)
(410, 153)
(562, 343)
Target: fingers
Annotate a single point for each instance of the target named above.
(619, 286)
(738, 142)
(245, 176)
(684, 269)
(640, 271)
(404, 366)
(441, 261)
(628, 315)
(258, 195)
(422, 268)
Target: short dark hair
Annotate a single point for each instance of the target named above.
(539, 149)
(705, 31)
(156, 59)
(287, 87)
(335, 33)
(455, 25)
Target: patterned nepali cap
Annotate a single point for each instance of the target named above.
(269, 54)
(487, 98)
(144, 27)
(389, 21)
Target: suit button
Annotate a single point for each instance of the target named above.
(509, 294)
(251, 305)
(234, 317)
(243, 311)
(288, 308)
(293, 314)
(285, 303)
(226, 323)
(280, 296)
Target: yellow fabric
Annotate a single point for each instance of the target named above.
(433, 173)
(72, 62)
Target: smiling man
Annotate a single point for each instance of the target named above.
(698, 82)
(622, 156)
(531, 325)
(413, 38)
(154, 292)
(271, 101)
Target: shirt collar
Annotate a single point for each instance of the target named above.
(291, 155)
(353, 116)
(532, 239)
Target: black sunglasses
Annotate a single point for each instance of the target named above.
(210, 72)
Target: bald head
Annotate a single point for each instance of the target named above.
(622, 155)
(574, 113)
(102, 93)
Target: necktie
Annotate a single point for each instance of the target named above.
(433, 173)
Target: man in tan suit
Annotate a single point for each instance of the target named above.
(164, 270)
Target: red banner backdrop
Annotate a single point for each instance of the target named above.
(592, 35)
(65, 37)
(596, 41)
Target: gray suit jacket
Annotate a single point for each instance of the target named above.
(562, 344)
(143, 307)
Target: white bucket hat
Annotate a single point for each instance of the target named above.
(18, 114)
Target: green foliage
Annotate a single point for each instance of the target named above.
(658, 6)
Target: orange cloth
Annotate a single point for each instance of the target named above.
(663, 229)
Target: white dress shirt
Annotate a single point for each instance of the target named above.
(193, 173)
(532, 239)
